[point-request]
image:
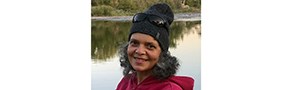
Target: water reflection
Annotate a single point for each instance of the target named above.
(107, 36)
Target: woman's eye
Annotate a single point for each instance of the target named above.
(151, 46)
(133, 43)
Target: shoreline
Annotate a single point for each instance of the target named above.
(177, 17)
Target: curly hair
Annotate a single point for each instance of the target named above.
(166, 66)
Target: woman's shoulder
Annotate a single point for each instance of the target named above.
(186, 83)
(176, 83)
(172, 86)
(126, 78)
(182, 78)
(160, 84)
(124, 82)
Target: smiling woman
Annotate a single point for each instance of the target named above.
(146, 60)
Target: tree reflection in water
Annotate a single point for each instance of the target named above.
(107, 36)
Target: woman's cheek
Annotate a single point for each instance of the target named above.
(153, 55)
(130, 50)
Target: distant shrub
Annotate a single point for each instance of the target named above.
(127, 5)
(100, 2)
(193, 3)
(102, 10)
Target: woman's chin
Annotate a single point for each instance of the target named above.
(138, 69)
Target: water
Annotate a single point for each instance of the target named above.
(107, 36)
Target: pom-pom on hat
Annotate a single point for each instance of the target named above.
(155, 22)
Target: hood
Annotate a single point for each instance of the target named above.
(187, 83)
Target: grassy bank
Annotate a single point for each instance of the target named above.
(130, 7)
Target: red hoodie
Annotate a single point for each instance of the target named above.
(129, 82)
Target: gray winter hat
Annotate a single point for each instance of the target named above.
(155, 22)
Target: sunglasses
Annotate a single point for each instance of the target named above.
(154, 19)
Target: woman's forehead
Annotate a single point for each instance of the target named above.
(143, 38)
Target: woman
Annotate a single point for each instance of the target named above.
(146, 60)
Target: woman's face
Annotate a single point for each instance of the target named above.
(143, 52)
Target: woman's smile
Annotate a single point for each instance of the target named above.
(139, 60)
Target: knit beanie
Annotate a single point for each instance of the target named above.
(160, 34)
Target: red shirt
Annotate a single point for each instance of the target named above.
(129, 82)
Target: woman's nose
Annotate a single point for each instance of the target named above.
(140, 50)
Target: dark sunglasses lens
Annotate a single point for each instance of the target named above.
(156, 20)
(139, 17)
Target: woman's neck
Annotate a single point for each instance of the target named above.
(141, 76)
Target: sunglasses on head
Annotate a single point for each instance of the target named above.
(154, 19)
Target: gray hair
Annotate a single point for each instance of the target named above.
(166, 66)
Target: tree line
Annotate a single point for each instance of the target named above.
(129, 7)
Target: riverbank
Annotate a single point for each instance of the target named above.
(177, 17)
